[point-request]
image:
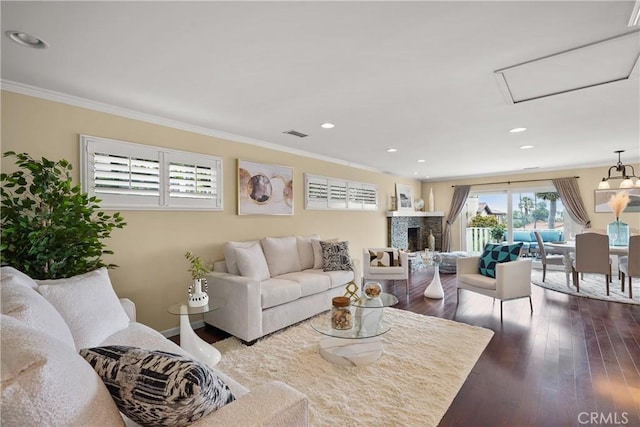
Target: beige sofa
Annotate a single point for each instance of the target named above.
(272, 283)
(46, 382)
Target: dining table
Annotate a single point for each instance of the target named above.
(568, 247)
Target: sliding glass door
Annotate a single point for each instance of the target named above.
(518, 212)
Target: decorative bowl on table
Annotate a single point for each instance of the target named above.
(372, 289)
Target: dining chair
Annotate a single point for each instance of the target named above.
(592, 256)
(546, 259)
(630, 264)
(602, 231)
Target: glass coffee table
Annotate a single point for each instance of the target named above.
(361, 344)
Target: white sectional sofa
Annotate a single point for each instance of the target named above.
(274, 282)
(45, 381)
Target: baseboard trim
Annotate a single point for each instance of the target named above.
(168, 333)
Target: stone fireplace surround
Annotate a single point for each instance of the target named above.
(413, 227)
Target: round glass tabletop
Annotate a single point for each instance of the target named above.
(381, 301)
(363, 327)
(214, 304)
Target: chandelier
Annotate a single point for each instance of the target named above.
(627, 182)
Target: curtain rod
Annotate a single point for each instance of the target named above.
(514, 182)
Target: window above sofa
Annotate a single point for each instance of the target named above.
(134, 176)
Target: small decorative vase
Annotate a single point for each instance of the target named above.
(618, 233)
(197, 298)
(432, 203)
(431, 241)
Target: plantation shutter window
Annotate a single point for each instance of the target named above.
(134, 176)
(316, 192)
(125, 175)
(332, 193)
(337, 194)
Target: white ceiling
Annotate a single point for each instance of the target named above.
(416, 76)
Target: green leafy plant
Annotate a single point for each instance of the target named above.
(50, 228)
(498, 231)
(197, 269)
(481, 221)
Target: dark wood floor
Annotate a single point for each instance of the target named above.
(573, 362)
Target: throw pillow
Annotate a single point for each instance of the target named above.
(494, 254)
(389, 258)
(155, 388)
(305, 250)
(281, 254)
(88, 304)
(229, 250)
(318, 259)
(18, 276)
(251, 263)
(335, 256)
(27, 305)
(46, 383)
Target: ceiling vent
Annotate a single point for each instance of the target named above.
(296, 133)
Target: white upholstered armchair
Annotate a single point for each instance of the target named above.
(379, 264)
(512, 281)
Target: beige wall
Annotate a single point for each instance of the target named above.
(587, 182)
(150, 249)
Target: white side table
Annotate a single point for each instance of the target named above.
(434, 290)
(189, 340)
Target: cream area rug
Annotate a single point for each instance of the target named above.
(425, 361)
(591, 286)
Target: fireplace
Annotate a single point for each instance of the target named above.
(410, 231)
(413, 238)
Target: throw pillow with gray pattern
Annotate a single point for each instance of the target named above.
(156, 388)
(335, 256)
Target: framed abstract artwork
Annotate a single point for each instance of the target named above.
(264, 189)
(404, 197)
(601, 199)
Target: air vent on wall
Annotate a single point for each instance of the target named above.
(295, 133)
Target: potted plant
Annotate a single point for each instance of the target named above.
(50, 228)
(197, 297)
(497, 232)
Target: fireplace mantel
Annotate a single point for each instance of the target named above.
(413, 213)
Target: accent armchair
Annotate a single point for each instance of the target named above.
(512, 281)
(385, 264)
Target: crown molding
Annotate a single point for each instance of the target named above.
(49, 95)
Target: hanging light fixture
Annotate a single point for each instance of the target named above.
(627, 182)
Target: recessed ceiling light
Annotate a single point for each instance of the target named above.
(327, 125)
(391, 150)
(25, 39)
(421, 161)
(517, 130)
(526, 147)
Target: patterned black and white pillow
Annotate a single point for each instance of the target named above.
(335, 256)
(156, 388)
